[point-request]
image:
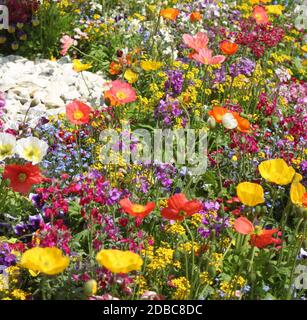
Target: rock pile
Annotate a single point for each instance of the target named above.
(35, 89)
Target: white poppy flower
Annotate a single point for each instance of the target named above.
(31, 149)
(7, 145)
(229, 121)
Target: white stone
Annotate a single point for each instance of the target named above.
(42, 88)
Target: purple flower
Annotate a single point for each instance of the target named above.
(212, 220)
(220, 75)
(35, 221)
(174, 83)
(21, 228)
(304, 166)
(169, 110)
(244, 66)
(6, 257)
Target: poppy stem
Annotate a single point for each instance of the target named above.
(252, 259)
(193, 253)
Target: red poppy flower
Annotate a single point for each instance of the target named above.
(22, 177)
(179, 207)
(78, 112)
(260, 238)
(136, 210)
(228, 47)
(263, 238)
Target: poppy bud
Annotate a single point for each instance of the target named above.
(211, 123)
(211, 271)
(90, 288)
(212, 236)
(253, 276)
(258, 209)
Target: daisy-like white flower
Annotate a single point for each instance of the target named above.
(7, 145)
(31, 149)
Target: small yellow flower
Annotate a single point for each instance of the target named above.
(131, 76)
(250, 193)
(150, 65)
(277, 171)
(46, 260)
(78, 66)
(118, 261)
(274, 9)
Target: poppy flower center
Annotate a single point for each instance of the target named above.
(121, 95)
(182, 213)
(258, 231)
(78, 115)
(22, 177)
(5, 150)
(137, 208)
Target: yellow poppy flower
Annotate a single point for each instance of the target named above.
(118, 261)
(250, 193)
(49, 261)
(274, 9)
(297, 191)
(78, 66)
(150, 65)
(297, 177)
(277, 171)
(304, 48)
(131, 76)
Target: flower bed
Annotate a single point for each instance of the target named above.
(178, 171)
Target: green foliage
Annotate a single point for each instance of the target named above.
(44, 39)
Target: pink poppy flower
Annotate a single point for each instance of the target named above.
(66, 43)
(197, 42)
(204, 56)
(120, 93)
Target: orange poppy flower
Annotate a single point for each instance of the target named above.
(22, 177)
(170, 13)
(136, 210)
(260, 15)
(195, 16)
(217, 113)
(115, 68)
(243, 124)
(78, 112)
(260, 238)
(179, 207)
(228, 47)
(304, 200)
